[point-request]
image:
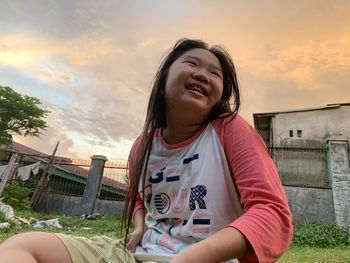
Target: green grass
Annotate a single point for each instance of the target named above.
(321, 235)
(296, 254)
(110, 226)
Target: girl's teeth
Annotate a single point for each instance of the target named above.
(197, 90)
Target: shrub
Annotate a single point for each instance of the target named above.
(2, 218)
(323, 236)
(17, 194)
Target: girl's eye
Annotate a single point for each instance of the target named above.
(216, 74)
(191, 63)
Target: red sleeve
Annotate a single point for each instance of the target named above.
(266, 219)
(131, 164)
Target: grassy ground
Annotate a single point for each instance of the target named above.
(110, 226)
(311, 254)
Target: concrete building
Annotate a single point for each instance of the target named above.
(300, 126)
(312, 153)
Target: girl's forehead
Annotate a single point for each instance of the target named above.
(204, 56)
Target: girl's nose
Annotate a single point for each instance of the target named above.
(201, 75)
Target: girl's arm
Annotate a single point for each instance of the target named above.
(266, 220)
(134, 238)
(226, 244)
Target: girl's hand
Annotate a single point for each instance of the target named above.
(226, 244)
(133, 239)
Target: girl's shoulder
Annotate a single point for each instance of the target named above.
(234, 129)
(134, 151)
(230, 121)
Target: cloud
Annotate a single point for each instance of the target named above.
(93, 62)
(147, 42)
(51, 136)
(304, 65)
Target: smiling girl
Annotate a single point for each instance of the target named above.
(203, 187)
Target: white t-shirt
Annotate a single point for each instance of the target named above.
(189, 193)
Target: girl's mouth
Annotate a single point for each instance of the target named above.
(197, 89)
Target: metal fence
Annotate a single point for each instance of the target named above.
(70, 176)
(65, 186)
(305, 167)
(117, 171)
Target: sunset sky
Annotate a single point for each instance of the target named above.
(91, 63)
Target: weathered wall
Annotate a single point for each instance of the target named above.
(302, 167)
(318, 124)
(70, 205)
(107, 207)
(310, 205)
(340, 180)
(307, 205)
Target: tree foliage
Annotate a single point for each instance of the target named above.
(19, 114)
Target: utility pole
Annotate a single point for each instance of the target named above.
(7, 172)
(44, 179)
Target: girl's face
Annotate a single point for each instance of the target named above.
(194, 83)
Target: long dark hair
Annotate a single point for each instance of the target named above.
(156, 117)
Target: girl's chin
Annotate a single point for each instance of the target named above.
(194, 106)
(190, 104)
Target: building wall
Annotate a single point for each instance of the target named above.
(310, 205)
(315, 125)
(71, 205)
(302, 167)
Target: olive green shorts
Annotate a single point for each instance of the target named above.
(97, 249)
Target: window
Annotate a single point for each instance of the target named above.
(299, 132)
(290, 133)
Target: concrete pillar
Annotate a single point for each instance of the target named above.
(340, 180)
(93, 184)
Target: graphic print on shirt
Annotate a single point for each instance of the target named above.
(179, 203)
(147, 193)
(197, 196)
(162, 202)
(177, 200)
(197, 193)
(197, 182)
(158, 177)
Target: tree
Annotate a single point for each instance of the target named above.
(19, 114)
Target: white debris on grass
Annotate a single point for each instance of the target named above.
(49, 223)
(5, 225)
(9, 214)
(7, 210)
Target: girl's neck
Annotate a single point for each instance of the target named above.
(182, 124)
(174, 134)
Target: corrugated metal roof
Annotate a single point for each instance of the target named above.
(328, 106)
(73, 169)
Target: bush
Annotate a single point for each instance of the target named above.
(2, 218)
(323, 236)
(17, 194)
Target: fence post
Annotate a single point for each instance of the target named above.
(7, 172)
(340, 180)
(93, 184)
